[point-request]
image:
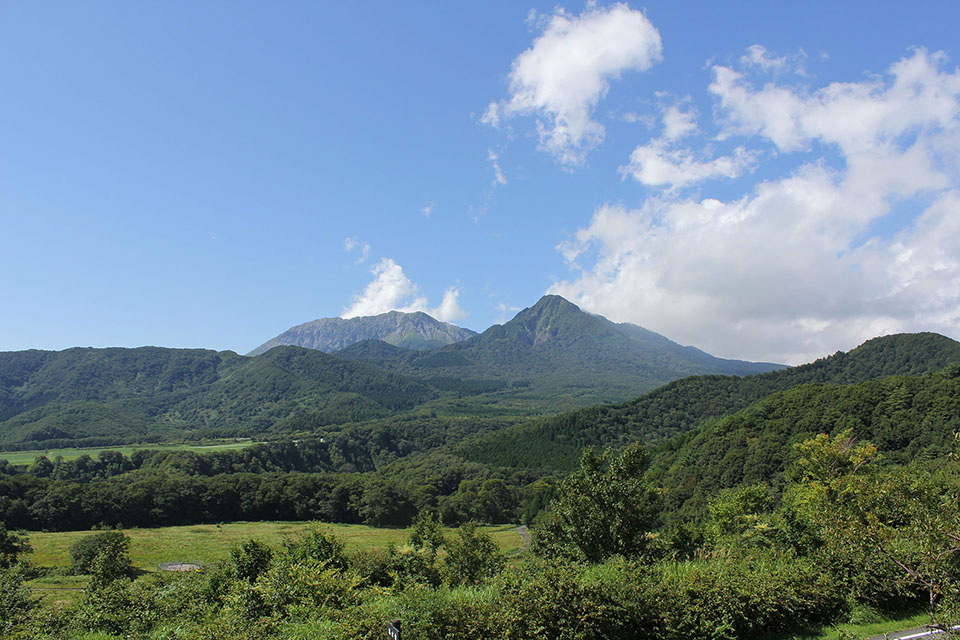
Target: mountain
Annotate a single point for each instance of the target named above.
(117, 395)
(416, 331)
(558, 356)
(907, 417)
(556, 442)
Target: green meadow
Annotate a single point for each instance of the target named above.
(27, 457)
(211, 542)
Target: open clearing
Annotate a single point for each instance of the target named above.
(27, 457)
(211, 542)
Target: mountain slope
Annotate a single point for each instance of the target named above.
(556, 442)
(154, 392)
(562, 356)
(407, 330)
(906, 417)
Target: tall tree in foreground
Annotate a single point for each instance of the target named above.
(602, 509)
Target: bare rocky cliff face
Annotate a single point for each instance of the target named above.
(416, 331)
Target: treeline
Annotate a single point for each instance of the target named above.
(152, 498)
(909, 418)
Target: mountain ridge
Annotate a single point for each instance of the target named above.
(415, 331)
(567, 350)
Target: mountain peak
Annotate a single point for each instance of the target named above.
(552, 303)
(415, 330)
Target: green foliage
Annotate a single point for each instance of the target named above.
(104, 554)
(427, 533)
(15, 601)
(12, 546)
(742, 517)
(153, 392)
(898, 527)
(676, 408)
(602, 509)
(761, 595)
(315, 547)
(906, 418)
(250, 559)
(472, 557)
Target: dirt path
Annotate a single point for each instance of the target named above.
(525, 534)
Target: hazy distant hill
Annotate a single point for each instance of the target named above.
(561, 352)
(407, 330)
(556, 441)
(116, 394)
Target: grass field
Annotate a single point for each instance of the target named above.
(27, 457)
(209, 542)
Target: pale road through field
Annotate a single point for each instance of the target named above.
(915, 634)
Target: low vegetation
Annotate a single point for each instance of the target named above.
(848, 539)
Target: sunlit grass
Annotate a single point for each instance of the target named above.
(205, 543)
(28, 457)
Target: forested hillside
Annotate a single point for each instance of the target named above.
(908, 418)
(150, 393)
(549, 358)
(556, 442)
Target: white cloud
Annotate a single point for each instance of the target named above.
(498, 177)
(811, 258)
(427, 209)
(392, 290)
(655, 164)
(677, 123)
(363, 249)
(567, 71)
(758, 56)
(449, 309)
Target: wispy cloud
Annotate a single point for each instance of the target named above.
(362, 248)
(498, 177)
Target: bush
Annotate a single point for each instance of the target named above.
(472, 557)
(316, 547)
(250, 559)
(760, 595)
(12, 545)
(15, 602)
(111, 546)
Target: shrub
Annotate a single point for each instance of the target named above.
(113, 546)
(250, 559)
(472, 557)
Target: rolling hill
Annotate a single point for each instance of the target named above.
(556, 442)
(116, 394)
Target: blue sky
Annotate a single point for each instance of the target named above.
(763, 180)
